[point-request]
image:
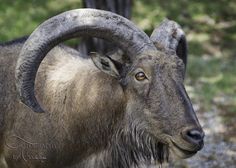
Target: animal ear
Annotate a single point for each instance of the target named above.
(106, 64)
(170, 37)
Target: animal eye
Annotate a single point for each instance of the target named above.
(140, 76)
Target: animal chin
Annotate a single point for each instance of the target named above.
(181, 153)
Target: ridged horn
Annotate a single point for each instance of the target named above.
(169, 36)
(70, 24)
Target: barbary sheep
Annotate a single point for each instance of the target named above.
(95, 112)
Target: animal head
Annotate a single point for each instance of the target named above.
(157, 101)
(152, 80)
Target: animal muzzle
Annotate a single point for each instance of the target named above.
(187, 144)
(194, 136)
(192, 132)
(190, 138)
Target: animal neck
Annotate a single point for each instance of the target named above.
(127, 149)
(85, 105)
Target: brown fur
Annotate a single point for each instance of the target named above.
(93, 119)
(63, 91)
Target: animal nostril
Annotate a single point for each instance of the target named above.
(193, 135)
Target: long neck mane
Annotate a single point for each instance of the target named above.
(130, 148)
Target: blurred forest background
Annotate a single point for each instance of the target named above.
(210, 27)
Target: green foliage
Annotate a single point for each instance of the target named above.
(211, 78)
(21, 17)
(209, 24)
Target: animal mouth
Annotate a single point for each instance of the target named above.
(185, 151)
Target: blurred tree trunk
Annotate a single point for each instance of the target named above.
(121, 7)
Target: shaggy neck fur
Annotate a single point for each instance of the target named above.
(130, 148)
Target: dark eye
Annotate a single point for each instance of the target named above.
(140, 76)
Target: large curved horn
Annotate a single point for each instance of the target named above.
(170, 36)
(90, 22)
